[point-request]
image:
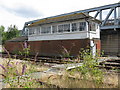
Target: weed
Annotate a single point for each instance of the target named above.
(88, 70)
(14, 73)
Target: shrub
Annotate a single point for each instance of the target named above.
(89, 69)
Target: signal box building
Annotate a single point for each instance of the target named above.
(55, 36)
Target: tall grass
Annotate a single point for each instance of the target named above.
(16, 74)
(88, 70)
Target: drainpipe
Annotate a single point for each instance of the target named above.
(86, 19)
(92, 44)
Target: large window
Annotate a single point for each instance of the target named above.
(92, 26)
(37, 30)
(60, 28)
(31, 31)
(54, 29)
(66, 27)
(82, 26)
(79, 26)
(74, 27)
(45, 29)
(34, 30)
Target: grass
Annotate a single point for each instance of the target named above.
(14, 70)
(67, 80)
(31, 67)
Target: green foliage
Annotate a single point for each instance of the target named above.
(16, 75)
(2, 28)
(25, 52)
(12, 32)
(2, 34)
(89, 66)
(89, 69)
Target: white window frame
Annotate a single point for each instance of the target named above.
(57, 25)
(46, 26)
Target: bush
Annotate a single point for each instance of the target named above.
(89, 69)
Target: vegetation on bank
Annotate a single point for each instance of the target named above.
(16, 74)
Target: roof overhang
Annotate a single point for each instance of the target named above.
(63, 18)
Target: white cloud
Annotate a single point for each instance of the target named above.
(45, 8)
(23, 11)
(7, 19)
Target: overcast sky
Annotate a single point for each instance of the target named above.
(17, 12)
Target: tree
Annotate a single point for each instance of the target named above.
(2, 34)
(12, 32)
(2, 28)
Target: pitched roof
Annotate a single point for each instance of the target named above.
(74, 16)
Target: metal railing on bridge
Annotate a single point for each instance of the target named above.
(110, 24)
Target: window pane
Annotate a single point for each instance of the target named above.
(45, 30)
(74, 26)
(82, 26)
(54, 29)
(60, 28)
(31, 31)
(37, 30)
(92, 26)
(66, 27)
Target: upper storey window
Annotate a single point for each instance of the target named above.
(92, 26)
(37, 29)
(74, 27)
(82, 26)
(59, 28)
(31, 31)
(79, 26)
(45, 29)
(54, 29)
(64, 28)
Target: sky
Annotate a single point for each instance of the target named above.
(17, 12)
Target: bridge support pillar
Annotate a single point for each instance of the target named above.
(110, 42)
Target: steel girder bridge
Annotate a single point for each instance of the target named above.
(107, 22)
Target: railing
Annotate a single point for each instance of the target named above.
(111, 24)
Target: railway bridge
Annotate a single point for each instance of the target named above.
(109, 15)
